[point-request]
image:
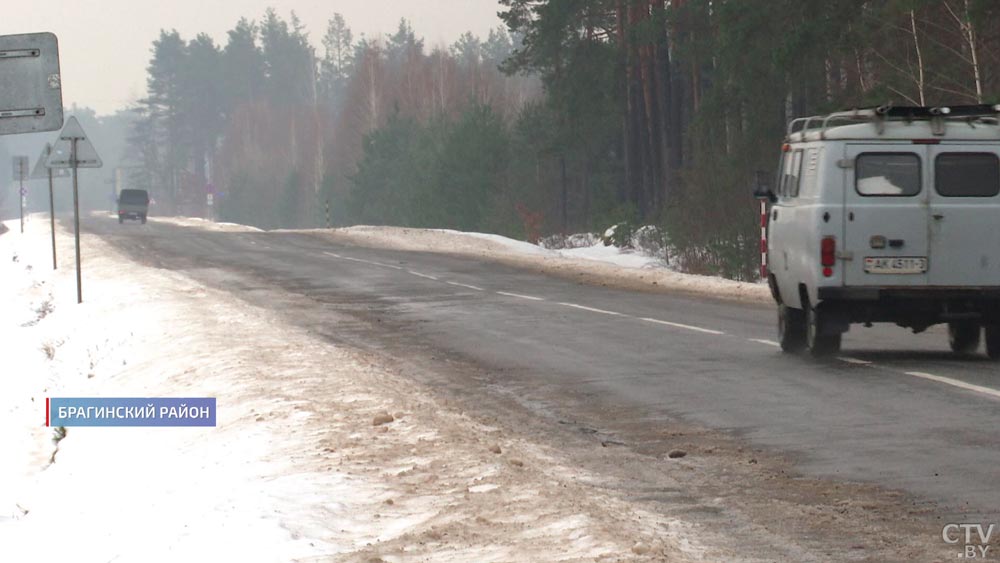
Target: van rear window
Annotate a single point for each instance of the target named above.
(887, 174)
(134, 197)
(967, 174)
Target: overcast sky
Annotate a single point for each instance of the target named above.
(104, 46)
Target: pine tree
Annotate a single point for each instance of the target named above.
(336, 67)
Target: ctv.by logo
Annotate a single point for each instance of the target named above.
(977, 538)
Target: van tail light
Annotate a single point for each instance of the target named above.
(828, 255)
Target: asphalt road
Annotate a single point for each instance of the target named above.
(896, 409)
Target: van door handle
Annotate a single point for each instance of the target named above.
(896, 243)
(938, 216)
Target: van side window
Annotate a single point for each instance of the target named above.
(963, 174)
(887, 174)
(790, 175)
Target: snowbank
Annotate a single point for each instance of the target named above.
(320, 453)
(204, 224)
(598, 264)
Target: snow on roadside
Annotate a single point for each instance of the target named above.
(204, 224)
(124, 494)
(612, 255)
(598, 264)
(297, 469)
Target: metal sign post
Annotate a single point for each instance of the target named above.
(41, 171)
(20, 167)
(76, 218)
(52, 215)
(81, 154)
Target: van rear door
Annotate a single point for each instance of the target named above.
(885, 240)
(965, 214)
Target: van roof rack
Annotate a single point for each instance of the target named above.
(881, 114)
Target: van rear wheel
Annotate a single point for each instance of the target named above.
(820, 343)
(791, 329)
(993, 342)
(964, 337)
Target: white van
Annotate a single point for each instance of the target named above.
(887, 215)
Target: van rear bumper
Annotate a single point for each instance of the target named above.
(991, 293)
(917, 308)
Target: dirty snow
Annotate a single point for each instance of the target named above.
(295, 470)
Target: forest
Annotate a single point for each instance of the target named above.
(571, 116)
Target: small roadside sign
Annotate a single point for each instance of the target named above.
(19, 167)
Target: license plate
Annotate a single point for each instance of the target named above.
(895, 265)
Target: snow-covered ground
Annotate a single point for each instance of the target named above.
(297, 468)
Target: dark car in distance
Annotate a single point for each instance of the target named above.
(133, 204)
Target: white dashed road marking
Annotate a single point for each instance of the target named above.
(956, 383)
(928, 376)
(533, 298)
(519, 296)
(466, 286)
(363, 261)
(591, 309)
(846, 359)
(685, 327)
(419, 275)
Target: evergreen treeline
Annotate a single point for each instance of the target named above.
(597, 111)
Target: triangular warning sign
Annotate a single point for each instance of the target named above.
(72, 130)
(86, 154)
(40, 171)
